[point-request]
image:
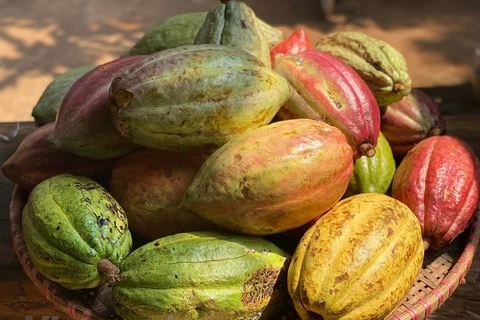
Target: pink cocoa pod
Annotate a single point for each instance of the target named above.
(328, 87)
(84, 124)
(34, 162)
(439, 181)
(274, 178)
(409, 121)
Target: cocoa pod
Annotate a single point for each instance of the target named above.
(34, 162)
(45, 111)
(271, 34)
(176, 31)
(150, 184)
(383, 68)
(274, 178)
(330, 88)
(84, 124)
(224, 92)
(233, 23)
(407, 122)
(439, 181)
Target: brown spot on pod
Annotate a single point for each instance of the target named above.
(260, 286)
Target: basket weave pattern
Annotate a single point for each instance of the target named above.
(443, 271)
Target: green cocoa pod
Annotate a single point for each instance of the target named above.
(202, 275)
(234, 24)
(272, 34)
(45, 111)
(176, 31)
(373, 174)
(75, 231)
(195, 97)
(381, 66)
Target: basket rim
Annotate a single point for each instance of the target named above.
(48, 288)
(420, 310)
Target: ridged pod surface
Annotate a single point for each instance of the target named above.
(84, 124)
(374, 174)
(34, 161)
(383, 67)
(297, 42)
(181, 30)
(273, 179)
(407, 122)
(439, 181)
(176, 31)
(45, 111)
(202, 275)
(75, 231)
(329, 89)
(233, 23)
(195, 97)
(150, 184)
(358, 261)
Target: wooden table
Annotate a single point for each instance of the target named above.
(19, 298)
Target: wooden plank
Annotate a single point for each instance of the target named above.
(20, 298)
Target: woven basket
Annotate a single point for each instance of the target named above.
(442, 272)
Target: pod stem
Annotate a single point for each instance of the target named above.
(426, 243)
(109, 270)
(435, 132)
(366, 149)
(397, 87)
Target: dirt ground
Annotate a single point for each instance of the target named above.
(40, 39)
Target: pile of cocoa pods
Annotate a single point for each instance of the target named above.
(251, 170)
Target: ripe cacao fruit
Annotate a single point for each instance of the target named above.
(45, 111)
(75, 231)
(150, 184)
(233, 23)
(328, 87)
(439, 181)
(358, 261)
(375, 174)
(202, 275)
(381, 66)
(225, 92)
(297, 42)
(84, 124)
(409, 121)
(274, 178)
(34, 162)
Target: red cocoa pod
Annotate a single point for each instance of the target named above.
(297, 42)
(34, 161)
(439, 181)
(149, 185)
(333, 90)
(409, 121)
(84, 124)
(273, 178)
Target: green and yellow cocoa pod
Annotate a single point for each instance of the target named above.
(383, 67)
(373, 174)
(195, 97)
(272, 34)
(202, 275)
(181, 30)
(75, 231)
(233, 23)
(176, 31)
(45, 111)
